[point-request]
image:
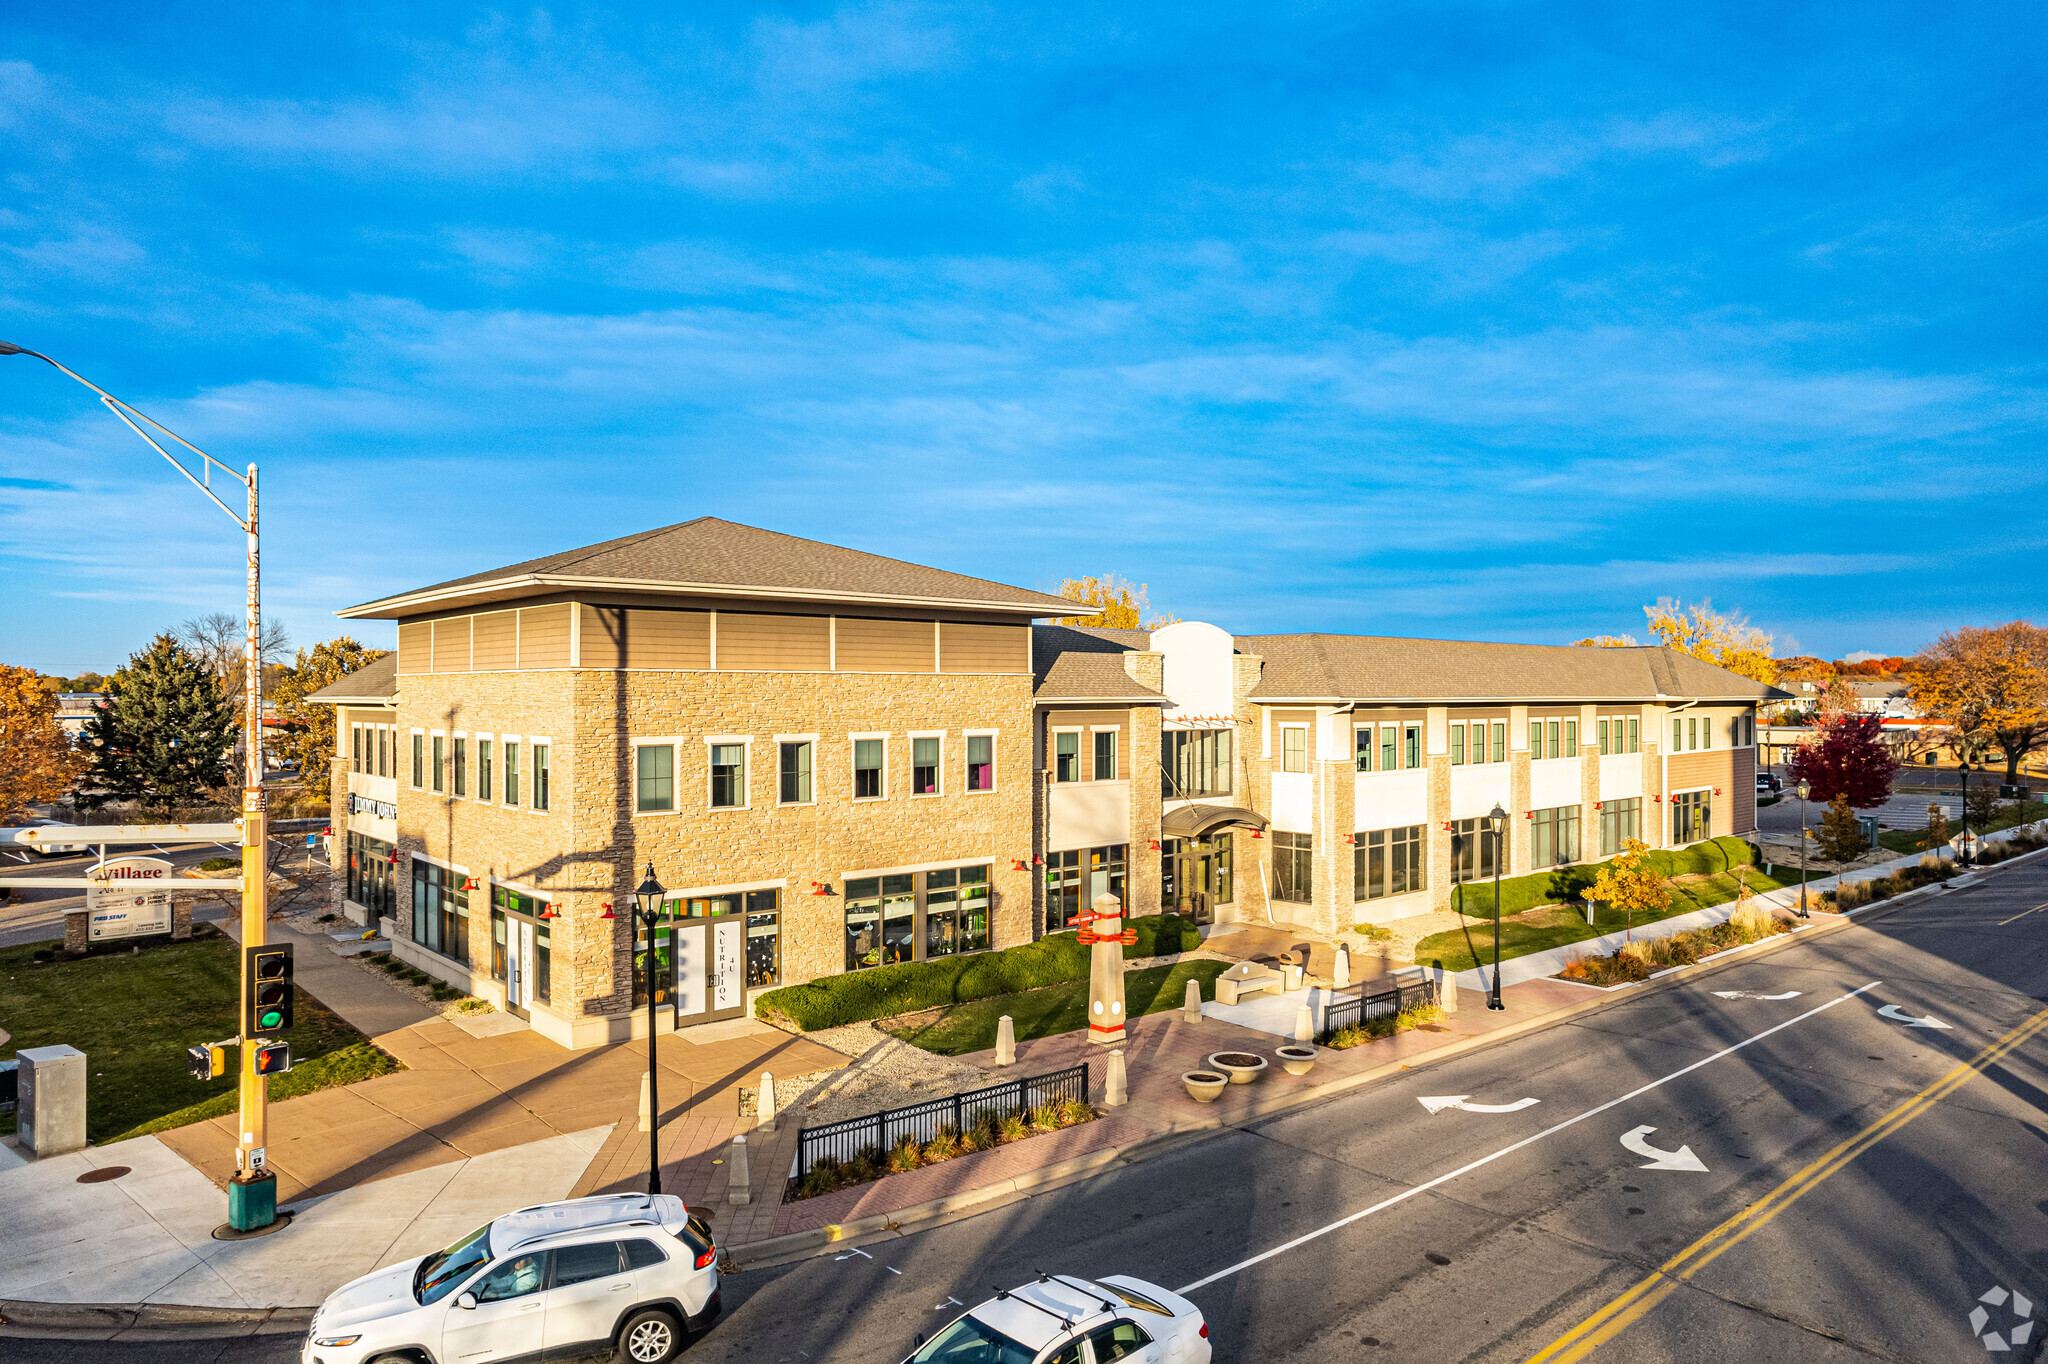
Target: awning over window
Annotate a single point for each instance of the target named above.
(1195, 821)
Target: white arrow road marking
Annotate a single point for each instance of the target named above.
(851, 1253)
(938, 1306)
(1744, 994)
(1437, 1103)
(1468, 1167)
(1681, 1159)
(1898, 1015)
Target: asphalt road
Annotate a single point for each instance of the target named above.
(30, 915)
(1365, 1227)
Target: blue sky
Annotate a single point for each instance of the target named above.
(1494, 321)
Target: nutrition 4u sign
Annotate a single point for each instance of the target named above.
(128, 898)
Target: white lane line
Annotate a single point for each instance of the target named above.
(1442, 1179)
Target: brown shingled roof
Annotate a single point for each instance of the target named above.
(1082, 664)
(711, 557)
(374, 681)
(1370, 667)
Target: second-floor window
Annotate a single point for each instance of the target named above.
(1294, 748)
(1194, 762)
(483, 769)
(924, 766)
(728, 776)
(540, 776)
(654, 778)
(461, 766)
(511, 773)
(440, 763)
(867, 769)
(419, 762)
(796, 773)
(1066, 756)
(1105, 755)
(981, 762)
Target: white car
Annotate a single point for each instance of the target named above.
(635, 1273)
(1066, 1319)
(54, 849)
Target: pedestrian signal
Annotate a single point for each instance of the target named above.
(206, 1062)
(273, 1058)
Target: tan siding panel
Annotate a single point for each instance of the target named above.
(884, 646)
(416, 647)
(668, 639)
(544, 636)
(603, 644)
(451, 645)
(984, 648)
(774, 643)
(496, 641)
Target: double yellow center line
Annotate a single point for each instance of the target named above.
(1618, 1315)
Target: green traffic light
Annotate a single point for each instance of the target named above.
(271, 1018)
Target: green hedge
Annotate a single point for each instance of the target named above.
(885, 991)
(1567, 884)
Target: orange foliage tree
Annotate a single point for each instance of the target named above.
(37, 761)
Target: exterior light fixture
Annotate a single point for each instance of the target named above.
(648, 893)
(1155, 845)
(1497, 818)
(549, 913)
(469, 883)
(820, 888)
(1017, 864)
(393, 859)
(607, 907)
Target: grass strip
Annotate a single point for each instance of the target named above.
(1055, 1009)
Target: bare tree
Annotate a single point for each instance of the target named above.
(217, 638)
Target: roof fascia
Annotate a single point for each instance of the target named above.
(418, 603)
(1484, 700)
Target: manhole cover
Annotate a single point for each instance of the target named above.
(103, 1174)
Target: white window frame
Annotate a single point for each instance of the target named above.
(1285, 729)
(746, 745)
(816, 749)
(675, 775)
(939, 768)
(426, 756)
(995, 767)
(443, 768)
(853, 773)
(530, 740)
(490, 788)
(1052, 757)
(1116, 746)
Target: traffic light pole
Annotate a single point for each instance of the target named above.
(252, 1193)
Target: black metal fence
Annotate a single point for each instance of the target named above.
(878, 1132)
(1390, 994)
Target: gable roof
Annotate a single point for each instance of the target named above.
(1378, 668)
(1075, 664)
(710, 557)
(374, 683)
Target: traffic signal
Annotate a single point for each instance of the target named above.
(267, 989)
(206, 1062)
(273, 1058)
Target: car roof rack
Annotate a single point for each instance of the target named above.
(1086, 1287)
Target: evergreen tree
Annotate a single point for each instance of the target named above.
(1841, 837)
(164, 735)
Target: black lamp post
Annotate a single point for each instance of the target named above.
(1963, 848)
(1805, 789)
(1498, 819)
(647, 898)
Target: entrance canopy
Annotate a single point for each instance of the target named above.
(1197, 821)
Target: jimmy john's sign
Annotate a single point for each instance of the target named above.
(128, 897)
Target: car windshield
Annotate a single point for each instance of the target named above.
(968, 1341)
(440, 1272)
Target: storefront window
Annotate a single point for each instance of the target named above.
(664, 960)
(440, 910)
(882, 916)
(372, 879)
(1074, 877)
(500, 959)
(764, 939)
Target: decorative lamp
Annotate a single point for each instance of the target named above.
(1017, 864)
(327, 832)
(1498, 818)
(1717, 790)
(1805, 789)
(648, 893)
(1155, 845)
(1258, 833)
(820, 888)
(469, 883)
(607, 907)
(550, 912)
(1351, 840)
(1037, 861)
(393, 859)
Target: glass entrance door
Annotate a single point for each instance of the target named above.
(1196, 876)
(710, 966)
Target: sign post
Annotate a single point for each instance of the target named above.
(129, 897)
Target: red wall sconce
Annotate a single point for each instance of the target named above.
(1037, 861)
(1017, 864)
(820, 888)
(1350, 840)
(469, 883)
(549, 913)
(1258, 833)
(1658, 799)
(1717, 790)
(393, 859)
(327, 832)
(607, 908)
(1155, 845)
(1528, 814)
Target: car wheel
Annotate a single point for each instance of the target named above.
(650, 1337)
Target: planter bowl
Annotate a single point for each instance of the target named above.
(1242, 1067)
(1296, 1060)
(1204, 1085)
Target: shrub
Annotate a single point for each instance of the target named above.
(220, 863)
(1373, 932)
(1384, 1025)
(885, 991)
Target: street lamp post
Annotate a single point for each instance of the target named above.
(647, 897)
(1498, 819)
(252, 1192)
(1805, 789)
(1963, 848)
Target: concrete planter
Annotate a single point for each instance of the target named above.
(1204, 1085)
(1296, 1060)
(1242, 1067)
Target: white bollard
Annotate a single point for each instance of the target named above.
(1304, 1025)
(646, 1105)
(739, 1183)
(1447, 989)
(1340, 974)
(1191, 1002)
(1006, 1041)
(1116, 1090)
(764, 1102)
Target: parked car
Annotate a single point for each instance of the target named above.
(1066, 1319)
(54, 849)
(636, 1273)
(1768, 785)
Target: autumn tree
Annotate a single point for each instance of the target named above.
(1606, 642)
(1838, 701)
(1848, 758)
(1841, 838)
(1629, 882)
(1988, 684)
(1937, 827)
(1120, 604)
(310, 740)
(164, 734)
(220, 640)
(37, 761)
(1726, 641)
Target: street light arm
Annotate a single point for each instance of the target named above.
(123, 411)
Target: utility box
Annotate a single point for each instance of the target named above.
(51, 1095)
(1869, 825)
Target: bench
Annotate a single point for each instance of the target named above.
(1245, 978)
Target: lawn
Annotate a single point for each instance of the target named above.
(134, 1016)
(2009, 814)
(1545, 927)
(1056, 1008)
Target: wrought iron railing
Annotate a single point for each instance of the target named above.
(1389, 994)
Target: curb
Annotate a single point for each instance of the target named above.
(112, 1318)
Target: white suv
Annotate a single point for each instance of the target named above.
(1066, 1319)
(634, 1272)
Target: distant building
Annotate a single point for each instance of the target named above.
(74, 708)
